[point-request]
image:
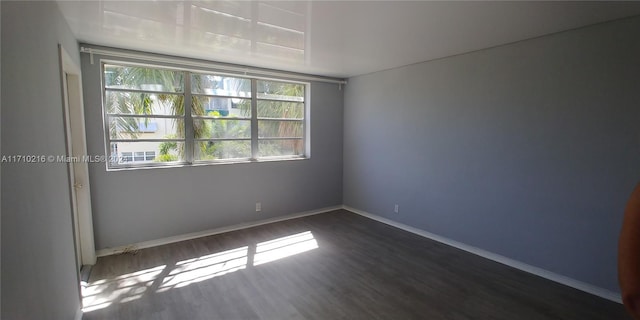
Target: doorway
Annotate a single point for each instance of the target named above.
(77, 161)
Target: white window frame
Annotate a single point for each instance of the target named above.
(189, 140)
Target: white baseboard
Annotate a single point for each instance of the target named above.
(600, 292)
(205, 233)
(78, 314)
(589, 288)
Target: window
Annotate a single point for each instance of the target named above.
(149, 156)
(137, 156)
(230, 118)
(144, 110)
(126, 157)
(221, 112)
(280, 118)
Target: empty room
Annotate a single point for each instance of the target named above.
(320, 160)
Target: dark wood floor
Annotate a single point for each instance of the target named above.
(341, 266)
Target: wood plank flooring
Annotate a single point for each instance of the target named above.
(339, 266)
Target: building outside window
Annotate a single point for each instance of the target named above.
(230, 118)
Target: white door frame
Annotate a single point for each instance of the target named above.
(77, 151)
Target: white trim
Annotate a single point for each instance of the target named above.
(78, 314)
(205, 233)
(71, 78)
(582, 286)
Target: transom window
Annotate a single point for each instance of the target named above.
(230, 118)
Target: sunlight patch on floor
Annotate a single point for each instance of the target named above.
(102, 293)
(206, 267)
(284, 247)
(132, 286)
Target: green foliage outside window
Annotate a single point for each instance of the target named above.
(165, 87)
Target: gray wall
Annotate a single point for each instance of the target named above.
(528, 150)
(38, 270)
(0, 165)
(148, 204)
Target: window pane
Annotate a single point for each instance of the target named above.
(143, 78)
(279, 129)
(138, 156)
(274, 148)
(145, 128)
(217, 129)
(220, 85)
(220, 107)
(118, 102)
(274, 90)
(280, 109)
(217, 150)
(145, 152)
(126, 156)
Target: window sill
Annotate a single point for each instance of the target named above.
(207, 163)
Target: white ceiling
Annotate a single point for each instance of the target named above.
(339, 39)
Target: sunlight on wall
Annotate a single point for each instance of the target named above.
(132, 286)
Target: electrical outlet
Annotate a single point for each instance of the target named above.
(396, 209)
(258, 206)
